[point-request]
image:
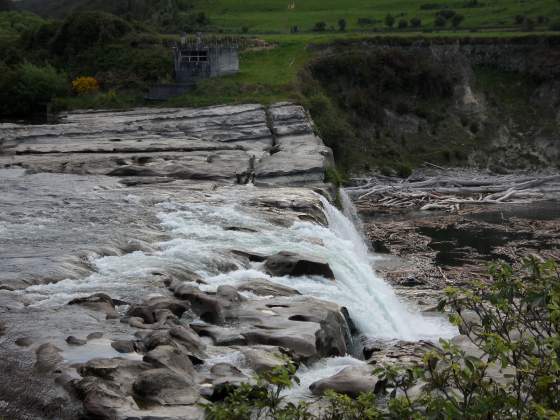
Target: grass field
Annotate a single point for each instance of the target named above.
(276, 16)
(270, 75)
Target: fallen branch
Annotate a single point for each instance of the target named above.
(450, 192)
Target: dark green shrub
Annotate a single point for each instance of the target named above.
(416, 22)
(389, 21)
(446, 14)
(440, 22)
(433, 6)
(471, 4)
(333, 176)
(403, 24)
(404, 170)
(386, 171)
(320, 27)
(457, 20)
(460, 155)
(366, 21)
(28, 88)
(40, 37)
(402, 108)
(342, 25)
(528, 25)
(555, 26)
(194, 22)
(83, 30)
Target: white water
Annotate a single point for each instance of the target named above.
(201, 242)
(324, 368)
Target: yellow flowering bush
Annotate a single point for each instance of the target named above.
(85, 85)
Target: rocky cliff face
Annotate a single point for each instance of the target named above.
(492, 104)
(129, 280)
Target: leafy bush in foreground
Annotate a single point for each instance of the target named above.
(511, 371)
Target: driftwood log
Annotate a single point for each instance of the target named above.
(449, 191)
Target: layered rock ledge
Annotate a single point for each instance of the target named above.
(239, 144)
(105, 311)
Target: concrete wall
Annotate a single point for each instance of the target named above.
(224, 60)
(221, 61)
(191, 72)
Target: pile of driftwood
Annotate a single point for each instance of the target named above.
(448, 192)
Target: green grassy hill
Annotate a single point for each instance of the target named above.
(263, 16)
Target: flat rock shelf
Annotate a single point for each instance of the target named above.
(149, 257)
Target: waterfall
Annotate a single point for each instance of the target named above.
(372, 303)
(201, 240)
(349, 210)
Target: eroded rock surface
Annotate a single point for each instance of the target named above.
(230, 143)
(104, 298)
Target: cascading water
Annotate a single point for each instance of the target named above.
(374, 308)
(202, 241)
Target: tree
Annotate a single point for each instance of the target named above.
(457, 20)
(389, 21)
(320, 27)
(415, 22)
(440, 22)
(403, 24)
(27, 88)
(342, 25)
(528, 24)
(446, 13)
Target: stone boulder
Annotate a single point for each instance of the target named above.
(351, 381)
(165, 387)
(291, 264)
(171, 358)
(48, 357)
(209, 308)
(98, 302)
(266, 288)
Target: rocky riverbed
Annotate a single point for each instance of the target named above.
(453, 240)
(151, 256)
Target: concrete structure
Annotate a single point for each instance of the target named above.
(199, 58)
(195, 59)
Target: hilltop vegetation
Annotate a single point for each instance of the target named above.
(164, 15)
(121, 45)
(125, 57)
(282, 16)
(266, 16)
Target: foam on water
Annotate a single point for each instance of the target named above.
(324, 368)
(202, 241)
